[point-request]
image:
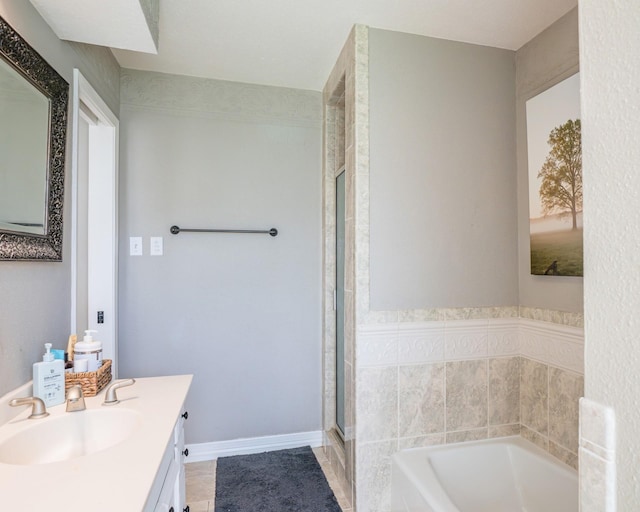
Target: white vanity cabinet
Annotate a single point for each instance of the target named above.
(143, 470)
(168, 493)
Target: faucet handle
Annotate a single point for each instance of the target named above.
(110, 397)
(38, 409)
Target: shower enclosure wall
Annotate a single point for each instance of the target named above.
(346, 159)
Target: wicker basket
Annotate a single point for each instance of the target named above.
(92, 382)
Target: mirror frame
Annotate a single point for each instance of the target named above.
(21, 56)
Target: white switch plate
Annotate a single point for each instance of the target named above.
(135, 246)
(155, 246)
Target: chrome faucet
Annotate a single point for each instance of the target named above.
(110, 397)
(75, 399)
(38, 409)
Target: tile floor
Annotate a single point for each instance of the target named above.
(201, 483)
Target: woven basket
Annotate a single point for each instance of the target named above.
(92, 382)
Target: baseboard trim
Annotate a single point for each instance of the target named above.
(209, 451)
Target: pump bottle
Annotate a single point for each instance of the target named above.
(90, 350)
(48, 379)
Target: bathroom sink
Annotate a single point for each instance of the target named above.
(68, 436)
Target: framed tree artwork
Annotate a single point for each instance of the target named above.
(554, 150)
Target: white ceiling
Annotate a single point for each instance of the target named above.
(294, 43)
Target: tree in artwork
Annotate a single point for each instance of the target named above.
(561, 174)
(554, 153)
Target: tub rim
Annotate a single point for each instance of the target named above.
(429, 484)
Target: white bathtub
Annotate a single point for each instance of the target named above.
(495, 475)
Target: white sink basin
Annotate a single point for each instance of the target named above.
(69, 436)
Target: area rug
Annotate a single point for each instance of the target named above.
(280, 481)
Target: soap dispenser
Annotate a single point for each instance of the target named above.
(90, 350)
(48, 379)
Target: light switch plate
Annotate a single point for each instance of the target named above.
(155, 246)
(135, 246)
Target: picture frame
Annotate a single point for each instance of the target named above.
(554, 154)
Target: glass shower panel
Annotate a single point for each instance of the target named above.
(339, 301)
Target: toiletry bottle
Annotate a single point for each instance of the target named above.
(90, 350)
(70, 344)
(68, 368)
(48, 379)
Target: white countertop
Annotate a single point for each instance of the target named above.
(117, 479)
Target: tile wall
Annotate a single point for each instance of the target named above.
(549, 398)
(450, 380)
(346, 144)
(424, 377)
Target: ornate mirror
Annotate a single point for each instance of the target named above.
(33, 124)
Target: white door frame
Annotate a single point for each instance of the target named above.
(103, 283)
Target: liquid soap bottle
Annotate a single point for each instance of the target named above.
(48, 379)
(90, 350)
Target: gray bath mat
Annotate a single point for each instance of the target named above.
(281, 481)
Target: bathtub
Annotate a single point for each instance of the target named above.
(495, 475)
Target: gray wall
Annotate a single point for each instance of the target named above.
(546, 60)
(240, 312)
(443, 181)
(35, 297)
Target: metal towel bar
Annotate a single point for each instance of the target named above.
(175, 230)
